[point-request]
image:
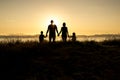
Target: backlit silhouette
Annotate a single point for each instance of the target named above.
(41, 37)
(73, 37)
(64, 31)
(52, 29)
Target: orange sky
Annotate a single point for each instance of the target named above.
(85, 17)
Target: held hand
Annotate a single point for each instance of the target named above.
(46, 35)
(68, 36)
(58, 34)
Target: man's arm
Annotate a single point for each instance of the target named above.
(47, 31)
(56, 29)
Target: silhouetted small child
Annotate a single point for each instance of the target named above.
(73, 37)
(41, 37)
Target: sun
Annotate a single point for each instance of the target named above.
(46, 20)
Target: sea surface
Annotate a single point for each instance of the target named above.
(25, 38)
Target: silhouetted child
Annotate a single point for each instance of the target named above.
(41, 37)
(73, 37)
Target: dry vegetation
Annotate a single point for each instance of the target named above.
(88, 60)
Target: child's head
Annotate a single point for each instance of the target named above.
(73, 33)
(41, 32)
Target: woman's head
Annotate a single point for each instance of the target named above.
(41, 32)
(64, 24)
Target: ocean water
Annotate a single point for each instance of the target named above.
(36, 38)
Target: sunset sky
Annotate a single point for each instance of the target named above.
(85, 17)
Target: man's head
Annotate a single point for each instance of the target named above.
(52, 21)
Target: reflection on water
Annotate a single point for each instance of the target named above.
(79, 38)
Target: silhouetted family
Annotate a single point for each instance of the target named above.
(52, 30)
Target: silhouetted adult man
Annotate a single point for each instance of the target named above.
(52, 29)
(64, 31)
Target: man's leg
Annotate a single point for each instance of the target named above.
(54, 39)
(49, 38)
(63, 38)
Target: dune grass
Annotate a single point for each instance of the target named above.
(87, 60)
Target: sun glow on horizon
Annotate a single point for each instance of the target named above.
(85, 17)
(58, 20)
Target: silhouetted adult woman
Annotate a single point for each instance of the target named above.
(64, 31)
